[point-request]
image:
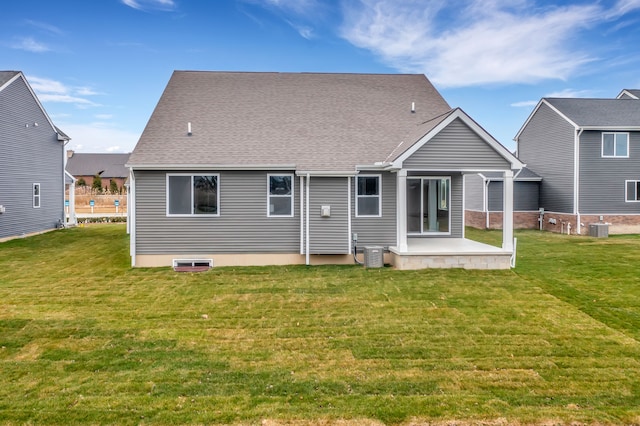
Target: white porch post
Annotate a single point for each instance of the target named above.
(73, 221)
(401, 210)
(507, 212)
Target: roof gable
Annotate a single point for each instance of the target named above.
(9, 77)
(106, 165)
(307, 121)
(457, 143)
(629, 94)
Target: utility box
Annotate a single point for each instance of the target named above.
(599, 230)
(373, 257)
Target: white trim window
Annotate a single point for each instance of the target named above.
(632, 192)
(36, 195)
(369, 196)
(615, 145)
(280, 195)
(193, 195)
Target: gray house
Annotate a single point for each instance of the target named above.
(587, 152)
(32, 175)
(303, 168)
(484, 200)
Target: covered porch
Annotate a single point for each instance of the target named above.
(422, 253)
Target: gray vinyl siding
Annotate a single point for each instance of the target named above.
(474, 192)
(456, 205)
(456, 147)
(329, 235)
(546, 146)
(525, 196)
(29, 155)
(602, 180)
(377, 230)
(242, 227)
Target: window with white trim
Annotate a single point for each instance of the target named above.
(36, 195)
(632, 191)
(368, 196)
(280, 195)
(191, 195)
(615, 145)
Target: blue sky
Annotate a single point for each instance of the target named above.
(100, 66)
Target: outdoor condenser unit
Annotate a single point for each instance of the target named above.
(373, 257)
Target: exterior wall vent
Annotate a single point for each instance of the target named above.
(192, 265)
(373, 257)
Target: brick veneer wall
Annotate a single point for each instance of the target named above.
(521, 220)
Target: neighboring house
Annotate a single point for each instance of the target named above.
(290, 168)
(110, 167)
(32, 175)
(587, 152)
(484, 200)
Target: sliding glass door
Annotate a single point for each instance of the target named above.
(428, 201)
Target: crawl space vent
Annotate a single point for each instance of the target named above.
(192, 265)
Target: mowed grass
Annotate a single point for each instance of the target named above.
(86, 339)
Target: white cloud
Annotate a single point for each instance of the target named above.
(162, 5)
(44, 26)
(570, 93)
(104, 116)
(565, 93)
(49, 90)
(524, 104)
(45, 85)
(477, 42)
(301, 15)
(30, 45)
(97, 137)
(80, 102)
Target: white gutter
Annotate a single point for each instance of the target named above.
(211, 166)
(576, 178)
(307, 257)
(329, 173)
(302, 215)
(131, 213)
(349, 214)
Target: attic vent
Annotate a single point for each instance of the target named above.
(192, 265)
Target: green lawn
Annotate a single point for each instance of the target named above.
(85, 339)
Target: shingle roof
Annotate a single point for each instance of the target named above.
(599, 112)
(317, 122)
(633, 92)
(106, 165)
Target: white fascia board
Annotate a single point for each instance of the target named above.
(11, 80)
(20, 75)
(211, 166)
(613, 128)
(376, 166)
(70, 176)
(454, 170)
(334, 173)
(626, 92)
(466, 119)
(535, 110)
(526, 122)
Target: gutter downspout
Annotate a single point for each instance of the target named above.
(349, 214)
(302, 239)
(307, 257)
(485, 201)
(576, 179)
(131, 212)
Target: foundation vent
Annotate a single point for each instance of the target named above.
(192, 265)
